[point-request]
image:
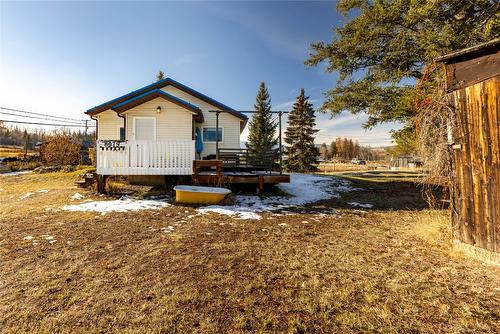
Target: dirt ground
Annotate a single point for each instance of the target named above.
(326, 268)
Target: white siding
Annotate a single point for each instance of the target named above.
(109, 125)
(230, 123)
(172, 123)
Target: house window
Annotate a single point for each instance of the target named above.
(122, 133)
(210, 136)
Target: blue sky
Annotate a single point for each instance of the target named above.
(62, 58)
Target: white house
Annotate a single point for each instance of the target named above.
(152, 130)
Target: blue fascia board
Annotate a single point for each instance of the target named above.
(163, 83)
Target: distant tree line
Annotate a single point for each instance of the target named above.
(29, 138)
(346, 149)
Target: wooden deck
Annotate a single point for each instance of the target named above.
(213, 172)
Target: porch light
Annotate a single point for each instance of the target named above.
(158, 109)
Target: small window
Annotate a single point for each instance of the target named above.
(122, 133)
(209, 135)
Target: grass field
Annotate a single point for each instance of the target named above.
(325, 268)
(13, 152)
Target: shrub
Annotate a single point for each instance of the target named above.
(62, 149)
(22, 165)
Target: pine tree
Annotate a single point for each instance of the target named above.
(262, 130)
(160, 76)
(301, 152)
(384, 55)
(333, 149)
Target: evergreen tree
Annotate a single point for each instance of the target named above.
(301, 152)
(384, 55)
(262, 130)
(160, 76)
(333, 149)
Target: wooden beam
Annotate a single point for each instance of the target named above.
(467, 72)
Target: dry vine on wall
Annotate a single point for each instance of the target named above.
(434, 125)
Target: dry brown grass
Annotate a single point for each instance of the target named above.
(14, 152)
(345, 272)
(329, 167)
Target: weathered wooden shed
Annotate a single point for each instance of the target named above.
(473, 85)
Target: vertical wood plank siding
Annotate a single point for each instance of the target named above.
(476, 187)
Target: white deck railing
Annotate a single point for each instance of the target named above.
(145, 157)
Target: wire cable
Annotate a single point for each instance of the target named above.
(48, 124)
(38, 114)
(35, 117)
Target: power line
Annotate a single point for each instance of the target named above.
(34, 113)
(62, 125)
(35, 117)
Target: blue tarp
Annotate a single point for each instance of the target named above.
(199, 141)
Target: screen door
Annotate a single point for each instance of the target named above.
(144, 128)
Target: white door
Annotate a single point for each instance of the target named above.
(144, 135)
(144, 128)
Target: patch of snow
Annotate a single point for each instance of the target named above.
(238, 212)
(123, 204)
(29, 237)
(43, 191)
(52, 241)
(283, 224)
(359, 205)
(28, 194)
(302, 189)
(21, 172)
(77, 196)
(49, 237)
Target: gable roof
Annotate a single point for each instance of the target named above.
(153, 94)
(160, 84)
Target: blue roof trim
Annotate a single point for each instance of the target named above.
(202, 95)
(159, 92)
(131, 94)
(159, 84)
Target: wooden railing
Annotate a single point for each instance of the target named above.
(145, 157)
(242, 159)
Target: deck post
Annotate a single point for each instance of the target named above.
(217, 135)
(260, 185)
(101, 183)
(280, 149)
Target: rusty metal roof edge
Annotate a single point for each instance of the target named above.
(493, 44)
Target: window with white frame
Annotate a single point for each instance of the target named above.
(209, 135)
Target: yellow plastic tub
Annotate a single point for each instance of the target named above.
(197, 194)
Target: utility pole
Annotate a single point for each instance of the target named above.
(281, 150)
(26, 139)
